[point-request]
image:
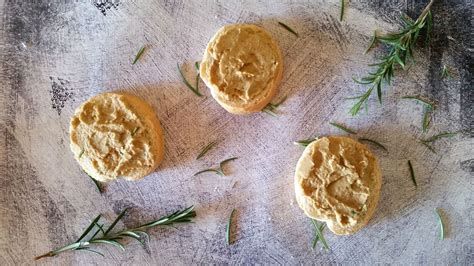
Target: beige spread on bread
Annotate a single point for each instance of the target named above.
(116, 136)
(338, 181)
(242, 66)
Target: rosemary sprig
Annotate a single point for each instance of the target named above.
(401, 44)
(316, 237)
(139, 54)
(342, 10)
(305, 142)
(434, 138)
(194, 90)
(271, 107)
(288, 28)
(374, 142)
(319, 234)
(108, 238)
(441, 225)
(227, 231)
(412, 173)
(445, 73)
(343, 128)
(206, 149)
(219, 170)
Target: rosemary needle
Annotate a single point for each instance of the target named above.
(194, 90)
(441, 225)
(342, 10)
(206, 149)
(305, 142)
(439, 136)
(420, 100)
(427, 111)
(445, 73)
(108, 238)
(227, 231)
(374, 142)
(319, 234)
(97, 183)
(412, 173)
(373, 42)
(343, 128)
(288, 28)
(316, 237)
(271, 107)
(220, 170)
(139, 54)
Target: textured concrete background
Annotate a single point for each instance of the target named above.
(54, 55)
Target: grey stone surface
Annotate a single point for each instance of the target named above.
(54, 55)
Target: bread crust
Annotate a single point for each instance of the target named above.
(116, 135)
(338, 181)
(242, 66)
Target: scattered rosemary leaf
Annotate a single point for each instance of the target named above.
(426, 119)
(439, 136)
(108, 238)
(220, 170)
(288, 28)
(206, 149)
(270, 107)
(139, 54)
(81, 153)
(374, 142)
(319, 234)
(445, 73)
(429, 147)
(373, 42)
(422, 101)
(441, 225)
(343, 128)
(196, 65)
(412, 173)
(342, 10)
(401, 50)
(134, 131)
(316, 237)
(305, 142)
(227, 231)
(97, 183)
(194, 90)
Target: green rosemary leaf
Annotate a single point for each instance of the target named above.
(412, 173)
(316, 237)
(441, 225)
(268, 111)
(429, 147)
(426, 119)
(81, 153)
(343, 128)
(206, 149)
(288, 28)
(115, 221)
(89, 250)
(217, 171)
(227, 231)
(439, 136)
(194, 90)
(109, 242)
(341, 15)
(373, 42)
(97, 183)
(305, 142)
(101, 229)
(89, 228)
(319, 234)
(134, 131)
(197, 65)
(221, 164)
(401, 44)
(425, 102)
(139, 54)
(374, 142)
(445, 73)
(272, 106)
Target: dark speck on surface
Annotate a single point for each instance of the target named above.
(105, 5)
(60, 93)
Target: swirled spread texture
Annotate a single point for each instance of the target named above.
(116, 136)
(338, 181)
(242, 66)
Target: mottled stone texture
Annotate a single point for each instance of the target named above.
(54, 55)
